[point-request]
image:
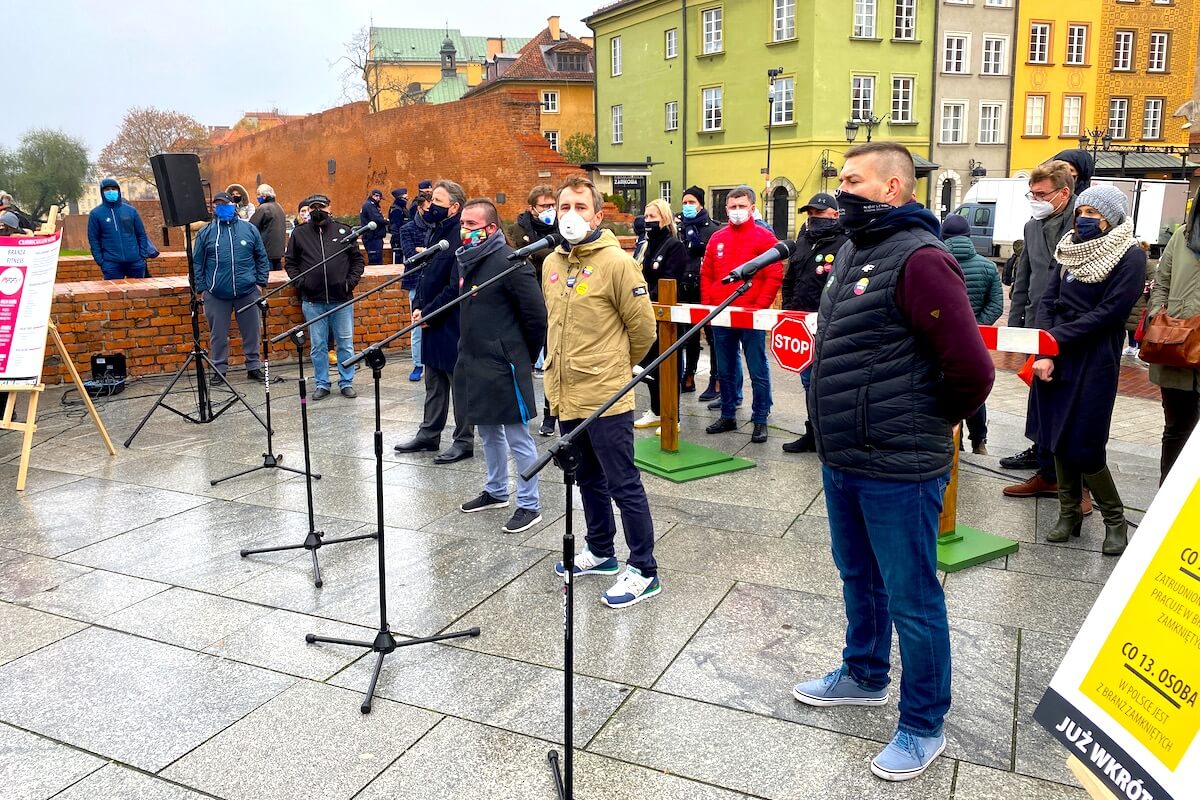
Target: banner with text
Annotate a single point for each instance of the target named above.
(28, 265)
(1124, 700)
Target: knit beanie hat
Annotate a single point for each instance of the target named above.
(1108, 200)
(955, 225)
(696, 192)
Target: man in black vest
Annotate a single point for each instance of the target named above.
(899, 361)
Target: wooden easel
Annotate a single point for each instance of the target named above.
(32, 392)
(1090, 783)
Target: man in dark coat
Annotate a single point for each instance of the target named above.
(397, 218)
(272, 225)
(439, 346)
(695, 229)
(413, 235)
(373, 240)
(424, 193)
(117, 236)
(805, 276)
(503, 328)
(538, 222)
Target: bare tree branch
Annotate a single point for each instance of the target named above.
(146, 132)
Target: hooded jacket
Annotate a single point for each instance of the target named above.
(372, 213)
(245, 209)
(729, 248)
(334, 282)
(230, 259)
(1084, 165)
(272, 226)
(115, 231)
(982, 279)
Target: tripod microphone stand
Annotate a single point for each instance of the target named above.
(199, 358)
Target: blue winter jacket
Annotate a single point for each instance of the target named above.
(230, 259)
(115, 231)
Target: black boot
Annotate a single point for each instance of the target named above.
(712, 392)
(805, 444)
(688, 384)
(1070, 504)
(1108, 500)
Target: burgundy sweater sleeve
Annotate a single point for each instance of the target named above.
(932, 296)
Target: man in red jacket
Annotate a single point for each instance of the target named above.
(731, 246)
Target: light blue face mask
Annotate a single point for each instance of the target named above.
(112, 195)
(690, 211)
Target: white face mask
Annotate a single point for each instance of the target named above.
(739, 216)
(1041, 208)
(547, 216)
(573, 227)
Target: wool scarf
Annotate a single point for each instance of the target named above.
(1093, 260)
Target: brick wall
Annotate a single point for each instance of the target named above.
(82, 268)
(75, 228)
(490, 144)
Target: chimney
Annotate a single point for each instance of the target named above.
(555, 33)
(588, 41)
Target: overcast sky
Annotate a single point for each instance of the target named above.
(91, 61)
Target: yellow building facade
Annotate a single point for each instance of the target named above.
(1058, 62)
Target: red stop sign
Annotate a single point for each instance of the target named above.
(792, 345)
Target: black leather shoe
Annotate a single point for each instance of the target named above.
(1026, 459)
(716, 404)
(722, 425)
(760, 433)
(416, 446)
(805, 444)
(452, 454)
(320, 394)
(254, 374)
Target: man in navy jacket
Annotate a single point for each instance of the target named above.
(117, 236)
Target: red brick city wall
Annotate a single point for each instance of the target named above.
(490, 144)
(72, 269)
(148, 321)
(75, 235)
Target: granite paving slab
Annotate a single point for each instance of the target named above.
(1037, 752)
(285, 749)
(114, 782)
(36, 480)
(1019, 600)
(719, 516)
(974, 782)
(23, 575)
(512, 695)
(33, 768)
(93, 596)
(23, 630)
(550, 536)
(276, 642)
(813, 528)
(523, 621)
(486, 525)
(140, 702)
(352, 499)
(459, 759)
(774, 485)
(191, 475)
(185, 618)
(757, 755)
(1055, 561)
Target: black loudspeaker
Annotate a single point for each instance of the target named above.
(180, 190)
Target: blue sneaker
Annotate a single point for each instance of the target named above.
(837, 689)
(586, 563)
(907, 756)
(416, 373)
(632, 587)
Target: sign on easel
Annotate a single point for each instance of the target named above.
(28, 265)
(1125, 701)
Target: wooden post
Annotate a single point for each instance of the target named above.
(668, 371)
(947, 522)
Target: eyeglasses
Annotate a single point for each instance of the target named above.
(1043, 196)
(543, 206)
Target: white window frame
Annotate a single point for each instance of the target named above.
(783, 19)
(962, 106)
(712, 109)
(1118, 123)
(713, 29)
(783, 102)
(1042, 43)
(1157, 116)
(961, 56)
(866, 18)
(998, 133)
(997, 3)
(1074, 46)
(618, 124)
(1000, 52)
(1124, 42)
(1040, 128)
(671, 43)
(552, 138)
(664, 191)
(1072, 120)
(904, 28)
(549, 102)
(900, 113)
(1160, 41)
(862, 86)
(614, 51)
(671, 114)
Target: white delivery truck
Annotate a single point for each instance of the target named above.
(1159, 207)
(997, 210)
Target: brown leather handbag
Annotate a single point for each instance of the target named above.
(1172, 342)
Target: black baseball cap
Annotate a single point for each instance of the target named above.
(820, 202)
(226, 196)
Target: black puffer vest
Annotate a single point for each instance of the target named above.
(873, 400)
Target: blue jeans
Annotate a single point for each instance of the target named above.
(116, 270)
(884, 536)
(806, 379)
(415, 333)
(341, 327)
(754, 345)
(498, 442)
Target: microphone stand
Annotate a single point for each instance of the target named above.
(565, 455)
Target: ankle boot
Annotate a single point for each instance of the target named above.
(1070, 510)
(805, 444)
(1108, 500)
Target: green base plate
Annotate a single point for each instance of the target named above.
(690, 463)
(969, 546)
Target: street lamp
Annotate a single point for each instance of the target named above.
(978, 170)
(772, 74)
(1097, 138)
(871, 122)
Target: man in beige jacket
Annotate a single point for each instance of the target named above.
(601, 323)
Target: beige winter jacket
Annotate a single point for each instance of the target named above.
(1177, 284)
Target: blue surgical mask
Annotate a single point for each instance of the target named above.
(225, 211)
(690, 211)
(1087, 228)
(112, 195)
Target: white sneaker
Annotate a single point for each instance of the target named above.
(632, 587)
(587, 563)
(658, 430)
(1129, 350)
(648, 420)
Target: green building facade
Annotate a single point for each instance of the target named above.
(836, 60)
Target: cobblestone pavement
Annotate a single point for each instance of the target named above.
(141, 657)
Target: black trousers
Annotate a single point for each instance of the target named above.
(689, 292)
(442, 390)
(1181, 411)
(652, 381)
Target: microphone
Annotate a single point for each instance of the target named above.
(356, 232)
(427, 253)
(746, 271)
(545, 243)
